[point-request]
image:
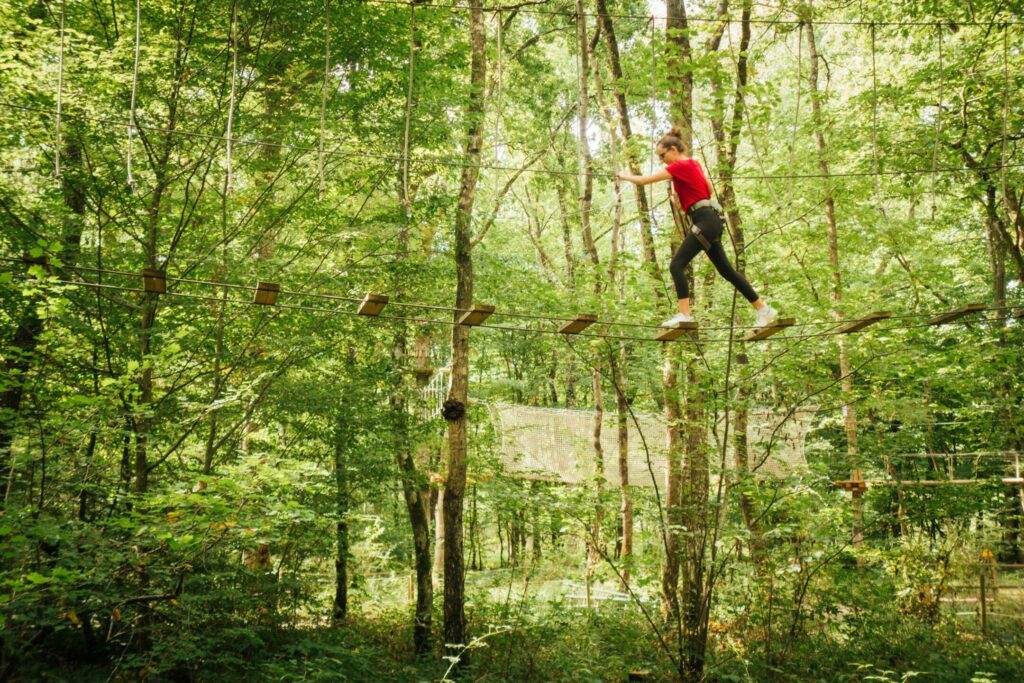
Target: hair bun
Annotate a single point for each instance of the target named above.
(675, 132)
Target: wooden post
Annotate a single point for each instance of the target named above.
(857, 490)
(982, 599)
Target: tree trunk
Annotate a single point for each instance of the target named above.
(339, 612)
(625, 493)
(458, 395)
(679, 58)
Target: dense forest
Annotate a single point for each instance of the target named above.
(332, 345)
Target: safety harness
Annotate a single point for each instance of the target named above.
(684, 220)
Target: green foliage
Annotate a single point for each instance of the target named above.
(184, 476)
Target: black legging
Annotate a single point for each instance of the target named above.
(711, 227)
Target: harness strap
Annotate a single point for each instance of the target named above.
(685, 223)
(701, 238)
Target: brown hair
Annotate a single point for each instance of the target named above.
(673, 138)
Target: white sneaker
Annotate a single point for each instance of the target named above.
(677, 319)
(766, 316)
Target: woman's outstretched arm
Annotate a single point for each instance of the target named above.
(644, 179)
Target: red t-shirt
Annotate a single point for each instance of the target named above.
(689, 182)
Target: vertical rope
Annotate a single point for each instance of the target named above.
(498, 144)
(135, 82)
(1006, 105)
(60, 92)
(654, 116)
(796, 115)
(323, 97)
(874, 118)
(406, 199)
(229, 183)
(938, 119)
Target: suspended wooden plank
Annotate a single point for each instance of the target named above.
(266, 293)
(670, 333)
(154, 280)
(861, 323)
(582, 322)
(372, 304)
(476, 316)
(769, 330)
(957, 314)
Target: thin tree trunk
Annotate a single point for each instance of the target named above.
(339, 611)
(458, 395)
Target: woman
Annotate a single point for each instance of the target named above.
(694, 192)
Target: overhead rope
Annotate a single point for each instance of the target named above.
(498, 144)
(132, 122)
(442, 161)
(323, 99)
(229, 186)
(406, 197)
(874, 122)
(796, 115)
(58, 143)
(705, 20)
(1006, 108)
(938, 119)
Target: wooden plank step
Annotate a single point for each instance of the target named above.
(154, 280)
(476, 316)
(774, 328)
(677, 331)
(950, 316)
(266, 293)
(861, 323)
(372, 304)
(580, 323)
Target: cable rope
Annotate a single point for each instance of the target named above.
(406, 196)
(132, 122)
(442, 161)
(874, 122)
(58, 144)
(323, 99)
(1006, 106)
(796, 114)
(449, 323)
(938, 118)
(229, 186)
(509, 314)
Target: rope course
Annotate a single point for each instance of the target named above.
(371, 305)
